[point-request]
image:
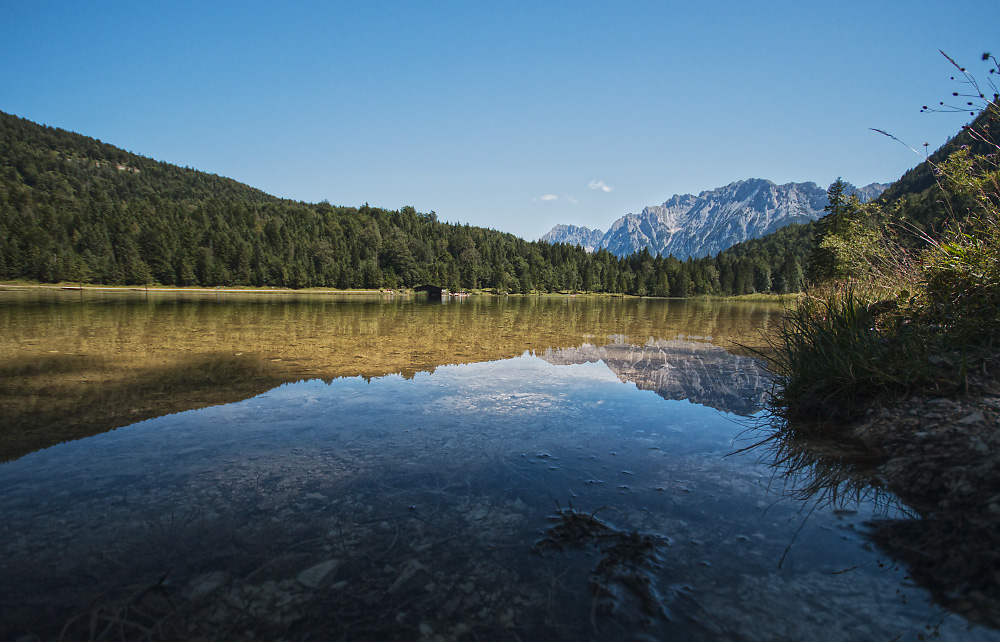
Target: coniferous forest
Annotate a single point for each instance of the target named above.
(75, 209)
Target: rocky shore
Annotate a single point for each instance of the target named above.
(941, 457)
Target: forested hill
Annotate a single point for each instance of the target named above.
(66, 165)
(75, 209)
(923, 203)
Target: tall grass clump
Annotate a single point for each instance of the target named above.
(834, 351)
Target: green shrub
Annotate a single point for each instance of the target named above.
(962, 271)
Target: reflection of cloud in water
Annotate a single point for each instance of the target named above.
(678, 369)
(507, 402)
(502, 393)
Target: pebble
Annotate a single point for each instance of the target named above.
(973, 418)
(318, 575)
(412, 575)
(267, 504)
(204, 584)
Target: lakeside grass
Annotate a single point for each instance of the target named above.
(835, 355)
(857, 342)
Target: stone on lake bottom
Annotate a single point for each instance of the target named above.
(318, 575)
(205, 584)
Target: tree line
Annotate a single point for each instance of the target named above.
(75, 209)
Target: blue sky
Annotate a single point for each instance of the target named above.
(511, 115)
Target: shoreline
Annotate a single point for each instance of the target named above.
(405, 292)
(69, 287)
(941, 457)
(939, 452)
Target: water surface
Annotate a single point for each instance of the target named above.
(306, 468)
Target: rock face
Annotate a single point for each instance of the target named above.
(869, 192)
(703, 225)
(585, 237)
(677, 369)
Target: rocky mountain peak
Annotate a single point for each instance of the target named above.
(695, 226)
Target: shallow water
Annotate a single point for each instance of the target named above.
(425, 504)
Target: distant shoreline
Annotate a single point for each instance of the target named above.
(161, 288)
(404, 292)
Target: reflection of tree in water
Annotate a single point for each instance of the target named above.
(77, 365)
(950, 545)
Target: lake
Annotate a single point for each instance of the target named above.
(223, 466)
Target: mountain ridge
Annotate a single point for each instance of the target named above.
(583, 236)
(689, 225)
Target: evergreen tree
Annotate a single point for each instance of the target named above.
(822, 262)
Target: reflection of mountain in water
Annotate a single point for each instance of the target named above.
(677, 369)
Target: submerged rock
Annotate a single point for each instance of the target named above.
(319, 575)
(204, 584)
(412, 576)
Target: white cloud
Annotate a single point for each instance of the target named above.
(553, 197)
(601, 185)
